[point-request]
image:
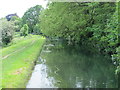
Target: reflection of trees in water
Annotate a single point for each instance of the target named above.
(71, 68)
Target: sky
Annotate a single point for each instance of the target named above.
(18, 6)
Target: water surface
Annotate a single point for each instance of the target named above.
(68, 67)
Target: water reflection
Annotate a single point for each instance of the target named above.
(74, 68)
(39, 78)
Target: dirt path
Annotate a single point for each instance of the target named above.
(17, 50)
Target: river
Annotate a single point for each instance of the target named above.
(61, 66)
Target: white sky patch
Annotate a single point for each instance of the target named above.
(18, 6)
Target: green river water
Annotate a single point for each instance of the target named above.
(68, 67)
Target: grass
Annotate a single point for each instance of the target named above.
(17, 68)
(18, 43)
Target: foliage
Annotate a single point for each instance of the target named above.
(36, 29)
(114, 39)
(31, 17)
(77, 21)
(7, 29)
(24, 30)
(18, 22)
(92, 24)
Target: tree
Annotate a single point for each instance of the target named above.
(77, 22)
(24, 30)
(18, 23)
(36, 29)
(93, 24)
(7, 29)
(31, 17)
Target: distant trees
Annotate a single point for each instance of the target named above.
(18, 23)
(29, 23)
(24, 30)
(7, 30)
(31, 18)
(36, 29)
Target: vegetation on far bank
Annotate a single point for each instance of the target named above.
(91, 24)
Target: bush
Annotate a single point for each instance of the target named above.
(7, 30)
(24, 30)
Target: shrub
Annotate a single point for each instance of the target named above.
(7, 30)
(24, 30)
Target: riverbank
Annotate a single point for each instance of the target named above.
(19, 59)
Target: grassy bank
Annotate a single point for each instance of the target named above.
(18, 61)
